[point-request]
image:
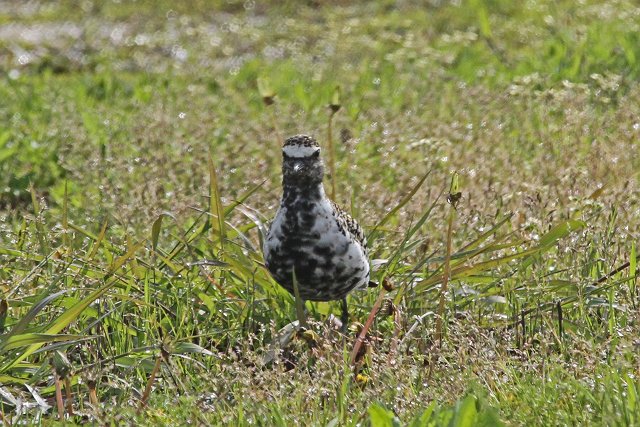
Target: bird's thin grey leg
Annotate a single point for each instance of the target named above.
(344, 318)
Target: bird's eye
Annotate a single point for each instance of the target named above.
(315, 154)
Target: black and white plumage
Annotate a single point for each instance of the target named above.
(311, 235)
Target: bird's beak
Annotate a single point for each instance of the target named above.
(298, 167)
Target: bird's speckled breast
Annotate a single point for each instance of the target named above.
(306, 237)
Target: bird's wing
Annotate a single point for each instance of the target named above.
(347, 222)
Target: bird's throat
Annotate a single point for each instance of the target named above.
(294, 193)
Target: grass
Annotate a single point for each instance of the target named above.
(137, 144)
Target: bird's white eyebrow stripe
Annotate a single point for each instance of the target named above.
(299, 151)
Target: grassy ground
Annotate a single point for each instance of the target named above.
(128, 129)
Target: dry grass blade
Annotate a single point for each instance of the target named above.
(98, 241)
(334, 106)
(69, 396)
(59, 402)
(366, 327)
(152, 377)
(93, 394)
(454, 196)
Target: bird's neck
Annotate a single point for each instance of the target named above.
(292, 192)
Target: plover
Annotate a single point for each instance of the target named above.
(311, 236)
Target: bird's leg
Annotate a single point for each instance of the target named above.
(300, 305)
(344, 317)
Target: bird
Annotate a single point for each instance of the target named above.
(311, 238)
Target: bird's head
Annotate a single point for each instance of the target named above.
(301, 160)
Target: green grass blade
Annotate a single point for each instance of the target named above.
(22, 340)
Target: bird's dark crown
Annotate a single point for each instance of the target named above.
(300, 146)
